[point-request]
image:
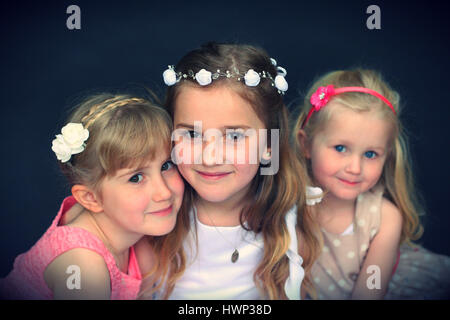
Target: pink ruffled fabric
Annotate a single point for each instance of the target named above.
(26, 280)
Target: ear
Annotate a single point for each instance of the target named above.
(302, 139)
(87, 198)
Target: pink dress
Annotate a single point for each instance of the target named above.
(26, 280)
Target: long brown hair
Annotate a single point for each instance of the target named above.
(275, 194)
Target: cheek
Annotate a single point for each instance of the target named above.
(185, 170)
(323, 163)
(175, 184)
(243, 152)
(130, 202)
(375, 171)
(185, 151)
(246, 172)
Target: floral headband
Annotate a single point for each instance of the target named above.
(73, 135)
(70, 141)
(251, 78)
(320, 98)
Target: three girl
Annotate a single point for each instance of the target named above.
(350, 136)
(115, 152)
(244, 230)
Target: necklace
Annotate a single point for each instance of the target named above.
(235, 255)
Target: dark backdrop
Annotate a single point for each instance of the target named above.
(45, 66)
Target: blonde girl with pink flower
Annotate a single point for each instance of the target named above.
(350, 136)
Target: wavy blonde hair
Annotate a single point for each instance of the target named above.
(124, 132)
(397, 176)
(275, 194)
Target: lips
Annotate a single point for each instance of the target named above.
(350, 183)
(163, 212)
(213, 175)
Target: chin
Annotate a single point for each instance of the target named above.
(217, 196)
(346, 195)
(163, 228)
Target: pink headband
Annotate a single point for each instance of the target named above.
(320, 98)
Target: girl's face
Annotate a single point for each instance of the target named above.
(221, 156)
(348, 155)
(144, 201)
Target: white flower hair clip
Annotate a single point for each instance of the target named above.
(314, 195)
(70, 141)
(251, 78)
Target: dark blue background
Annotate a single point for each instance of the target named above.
(45, 66)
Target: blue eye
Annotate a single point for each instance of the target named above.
(167, 165)
(193, 134)
(234, 136)
(340, 148)
(136, 178)
(370, 154)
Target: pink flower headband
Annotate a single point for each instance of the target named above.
(320, 98)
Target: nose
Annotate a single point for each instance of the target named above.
(160, 190)
(354, 165)
(211, 154)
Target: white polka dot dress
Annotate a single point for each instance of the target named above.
(420, 274)
(336, 270)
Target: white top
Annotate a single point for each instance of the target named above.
(211, 275)
(348, 231)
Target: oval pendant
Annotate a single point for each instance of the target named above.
(235, 256)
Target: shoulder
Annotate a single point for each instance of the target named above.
(390, 220)
(390, 213)
(78, 273)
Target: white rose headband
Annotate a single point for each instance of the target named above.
(73, 135)
(70, 141)
(251, 78)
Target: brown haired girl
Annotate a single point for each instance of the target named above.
(246, 190)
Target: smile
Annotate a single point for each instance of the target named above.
(162, 212)
(213, 175)
(349, 183)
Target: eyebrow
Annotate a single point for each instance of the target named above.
(238, 126)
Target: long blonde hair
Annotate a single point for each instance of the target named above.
(275, 194)
(397, 176)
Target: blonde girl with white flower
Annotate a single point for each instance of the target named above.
(239, 225)
(350, 136)
(115, 152)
